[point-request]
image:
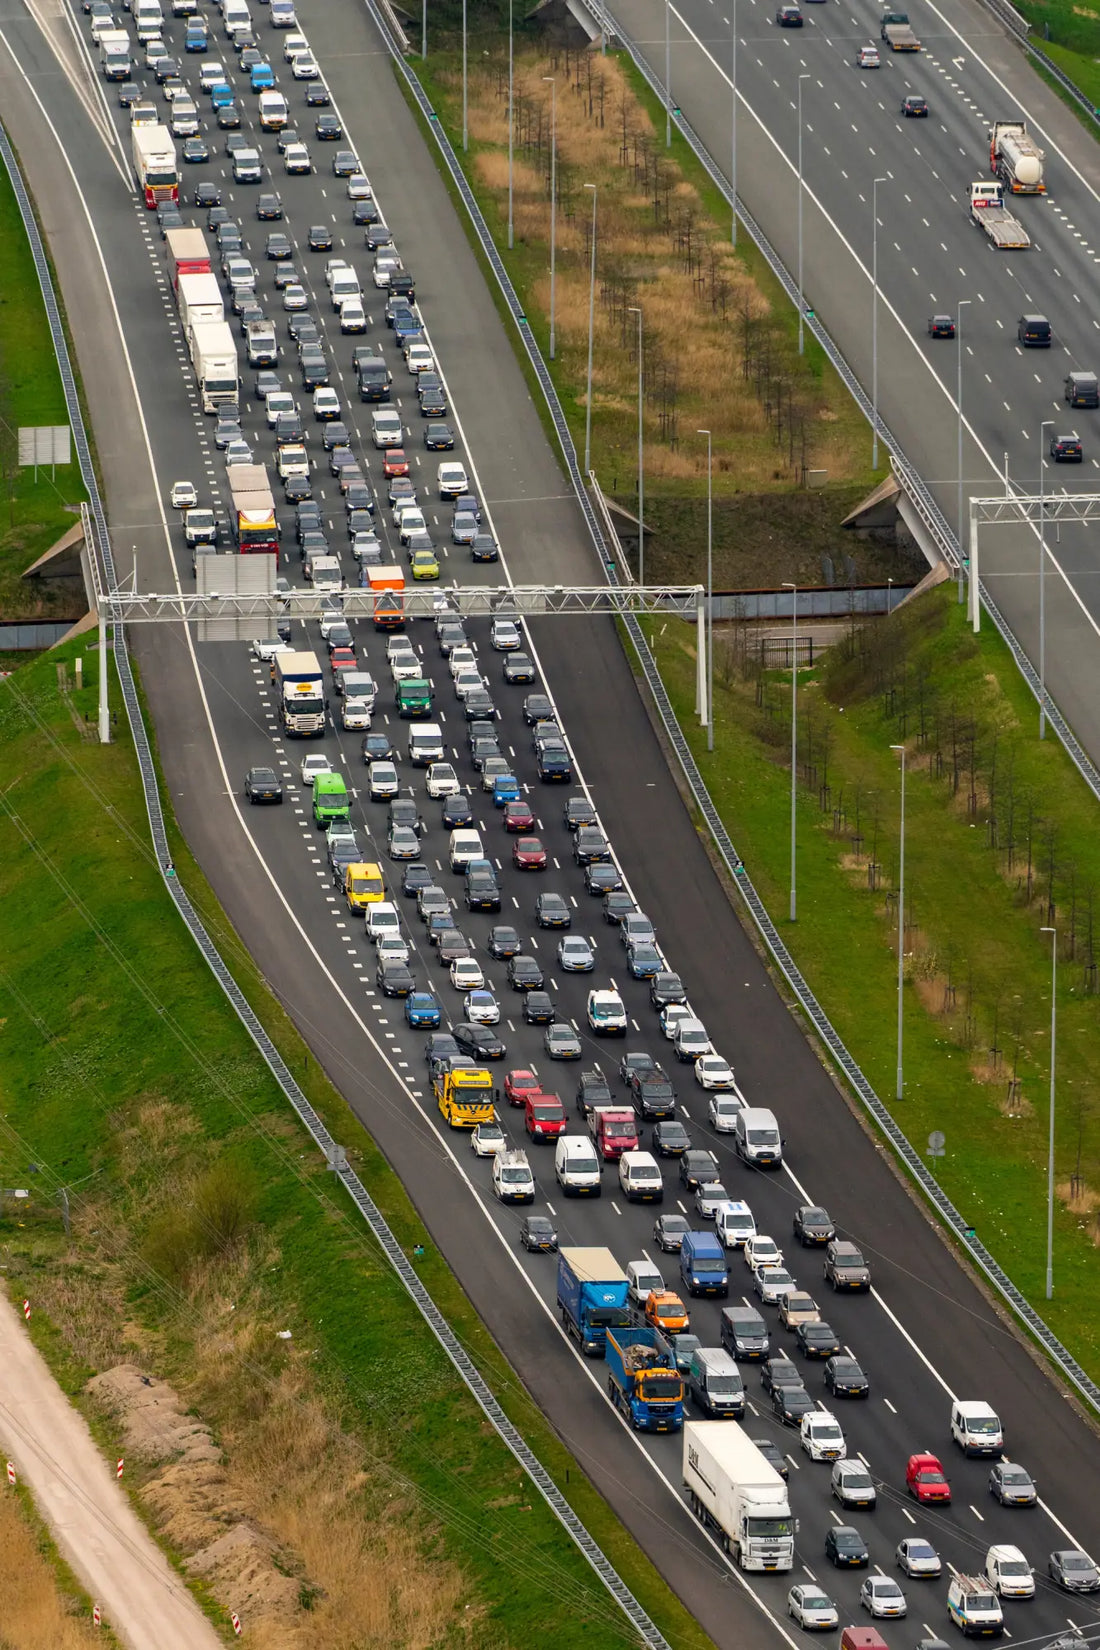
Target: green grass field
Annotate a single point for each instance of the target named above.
(203, 1221)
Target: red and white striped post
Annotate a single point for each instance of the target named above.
(97, 1618)
(11, 1472)
(236, 1620)
(27, 1310)
(118, 1468)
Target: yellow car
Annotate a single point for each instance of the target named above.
(424, 565)
(363, 886)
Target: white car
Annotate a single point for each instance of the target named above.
(304, 66)
(392, 948)
(451, 479)
(466, 974)
(468, 681)
(419, 359)
(238, 452)
(771, 1283)
(359, 188)
(918, 1557)
(383, 781)
(882, 1596)
(734, 1224)
(575, 954)
(822, 1439)
(761, 1250)
(672, 1017)
(691, 1041)
(712, 1072)
(442, 780)
(385, 265)
(722, 1109)
(296, 159)
(1009, 1572)
(481, 1008)
(293, 44)
(326, 403)
(266, 650)
(812, 1609)
(412, 521)
(353, 317)
(504, 635)
(314, 764)
(183, 495)
(487, 1139)
(462, 658)
(868, 58)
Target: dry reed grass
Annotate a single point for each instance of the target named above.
(36, 1613)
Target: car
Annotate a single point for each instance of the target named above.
(845, 1267)
(816, 1339)
(439, 437)
(504, 635)
(537, 1235)
(941, 326)
(304, 66)
(852, 1485)
(867, 58)
(329, 129)
(377, 747)
(538, 1008)
(486, 1139)
(709, 1196)
(926, 1480)
(813, 1226)
(525, 973)
(788, 17)
(317, 95)
(552, 911)
(319, 238)
(666, 989)
(813, 1610)
(403, 844)
(561, 1041)
(916, 1556)
(778, 1371)
(1009, 1572)
(393, 978)
(914, 108)
(715, 1074)
(846, 1548)
(797, 1308)
(382, 781)
(268, 207)
(575, 955)
(480, 1042)
(1012, 1485)
(669, 1231)
(518, 816)
(422, 1011)
(456, 811)
(183, 495)
(771, 1282)
(481, 1007)
(465, 973)
(528, 854)
(844, 1378)
(262, 785)
(484, 547)
(518, 1084)
(314, 764)
(196, 150)
(791, 1404)
(1066, 449)
(697, 1167)
(605, 1011)
(665, 1310)
(643, 960)
(882, 1596)
(761, 1250)
(1074, 1571)
(463, 527)
(670, 1137)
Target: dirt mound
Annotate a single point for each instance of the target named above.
(152, 1419)
(241, 1565)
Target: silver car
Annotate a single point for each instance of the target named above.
(575, 954)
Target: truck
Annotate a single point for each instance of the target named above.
(734, 1490)
(155, 164)
(114, 54)
(214, 358)
(300, 691)
(614, 1130)
(252, 517)
(642, 1381)
(199, 298)
(989, 212)
(389, 609)
(896, 31)
(464, 1095)
(413, 698)
(1016, 158)
(592, 1290)
(187, 254)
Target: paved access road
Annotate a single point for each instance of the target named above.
(928, 1331)
(930, 257)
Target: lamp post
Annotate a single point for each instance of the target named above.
(793, 588)
(668, 74)
(710, 588)
(900, 1091)
(634, 310)
(511, 124)
(733, 126)
(963, 303)
(591, 332)
(465, 83)
(1053, 932)
(424, 31)
(874, 322)
(1048, 423)
(553, 198)
(801, 325)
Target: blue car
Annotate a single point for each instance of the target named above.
(221, 94)
(505, 789)
(422, 1011)
(196, 40)
(263, 77)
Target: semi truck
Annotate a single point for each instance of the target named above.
(114, 54)
(642, 1382)
(154, 156)
(388, 583)
(734, 1490)
(200, 302)
(614, 1130)
(464, 1095)
(300, 690)
(214, 358)
(187, 254)
(989, 212)
(252, 510)
(895, 29)
(1016, 158)
(592, 1290)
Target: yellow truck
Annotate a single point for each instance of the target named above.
(465, 1096)
(363, 886)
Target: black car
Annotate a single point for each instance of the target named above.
(504, 941)
(652, 1094)
(402, 285)
(262, 785)
(376, 235)
(941, 326)
(229, 117)
(537, 708)
(538, 1008)
(590, 846)
(617, 905)
(845, 1379)
(813, 1226)
(320, 237)
(774, 1456)
(537, 1235)
(457, 810)
(377, 747)
(208, 194)
(483, 749)
(278, 246)
(481, 1042)
(778, 1372)
(602, 877)
(433, 403)
(416, 877)
(269, 207)
(1066, 449)
(788, 17)
(216, 217)
(553, 765)
(195, 150)
(578, 810)
(394, 979)
(670, 1138)
(129, 94)
(846, 1548)
(439, 438)
(817, 1340)
(329, 130)
(403, 811)
(665, 988)
(552, 911)
(524, 974)
(790, 1404)
(698, 1168)
(593, 1089)
(914, 108)
(166, 69)
(482, 891)
(364, 211)
(296, 488)
(317, 95)
(335, 434)
(478, 705)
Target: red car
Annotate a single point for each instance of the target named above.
(343, 658)
(528, 854)
(926, 1479)
(518, 1085)
(395, 463)
(544, 1116)
(518, 817)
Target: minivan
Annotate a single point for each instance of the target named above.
(425, 744)
(1034, 332)
(382, 919)
(644, 1278)
(640, 1178)
(714, 1383)
(703, 1269)
(464, 846)
(273, 111)
(744, 1333)
(263, 351)
(976, 1428)
(756, 1138)
(576, 1166)
(330, 798)
(385, 428)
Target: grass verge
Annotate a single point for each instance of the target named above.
(382, 1509)
(45, 1607)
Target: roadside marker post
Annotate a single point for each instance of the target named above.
(118, 1469)
(27, 1310)
(11, 1473)
(97, 1617)
(236, 1620)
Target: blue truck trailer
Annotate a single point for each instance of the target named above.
(592, 1290)
(642, 1382)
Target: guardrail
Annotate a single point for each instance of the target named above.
(510, 1435)
(825, 1030)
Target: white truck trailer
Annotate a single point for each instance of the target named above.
(733, 1489)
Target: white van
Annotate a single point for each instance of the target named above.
(576, 1166)
(148, 19)
(465, 845)
(184, 120)
(385, 427)
(236, 15)
(976, 1428)
(425, 744)
(324, 572)
(756, 1138)
(734, 1224)
(640, 1178)
(714, 1383)
(645, 1280)
(273, 111)
(383, 919)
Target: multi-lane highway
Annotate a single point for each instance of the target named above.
(927, 1332)
(929, 257)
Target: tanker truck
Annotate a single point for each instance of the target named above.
(1015, 158)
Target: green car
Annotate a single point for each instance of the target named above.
(330, 799)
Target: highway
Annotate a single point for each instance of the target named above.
(927, 1331)
(930, 257)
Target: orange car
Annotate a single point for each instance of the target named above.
(665, 1310)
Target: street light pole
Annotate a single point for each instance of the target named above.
(668, 74)
(591, 333)
(801, 305)
(710, 588)
(793, 588)
(553, 198)
(511, 124)
(424, 31)
(633, 310)
(733, 127)
(874, 322)
(465, 83)
(1053, 932)
(963, 303)
(900, 1090)
(1048, 423)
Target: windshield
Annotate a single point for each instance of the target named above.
(857, 1481)
(1076, 1561)
(762, 1137)
(643, 1173)
(1014, 1568)
(609, 1317)
(618, 1131)
(546, 1114)
(710, 1265)
(662, 1386)
(1016, 1477)
(514, 1176)
(723, 1386)
(983, 1424)
(827, 1435)
(774, 1527)
(367, 885)
(160, 175)
(472, 1097)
